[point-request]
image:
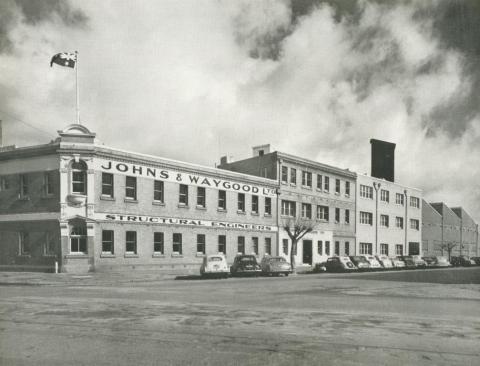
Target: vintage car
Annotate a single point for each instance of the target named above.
(476, 260)
(408, 260)
(214, 266)
(442, 262)
(462, 260)
(360, 262)
(419, 262)
(397, 262)
(374, 263)
(339, 264)
(245, 265)
(275, 266)
(385, 261)
(430, 261)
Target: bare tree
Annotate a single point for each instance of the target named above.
(448, 247)
(296, 229)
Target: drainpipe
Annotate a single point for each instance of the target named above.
(279, 249)
(406, 222)
(461, 228)
(376, 186)
(476, 240)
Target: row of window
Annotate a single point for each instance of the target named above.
(158, 243)
(367, 248)
(367, 192)
(288, 208)
(367, 219)
(24, 184)
(289, 175)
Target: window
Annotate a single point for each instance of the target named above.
(264, 173)
(268, 206)
(284, 174)
(268, 246)
(319, 181)
(50, 246)
(365, 248)
(222, 244)
(201, 243)
(183, 195)
(288, 208)
(107, 185)
(384, 195)
(347, 188)
(320, 247)
(306, 179)
(222, 200)
(201, 197)
(337, 248)
(285, 246)
(78, 239)
(241, 202)
(23, 186)
(337, 186)
(158, 243)
(366, 191)
(399, 249)
(107, 241)
(337, 215)
(48, 183)
(177, 243)
(306, 210)
(384, 220)
(4, 184)
(131, 242)
(241, 244)
(131, 188)
(158, 191)
(384, 249)
(347, 216)
(79, 177)
(399, 198)
(24, 244)
(322, 213)
(414, 224)
(293, 176)
(255, 245)
(326, 185)
(255, 204)
(327, 247)
(347, 248)
(399, 222)
(414, 202)
(366, 218)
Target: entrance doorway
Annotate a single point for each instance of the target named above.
(307, 252)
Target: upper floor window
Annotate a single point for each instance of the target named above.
(79, 177)
(306, 210)
(384, 249)
(288, 208)
(158, 190)
(414, 202)
(414, 224)
(337, 215)
(319, 181)
(222, 200)
(78, 239)
(241, 245)
(337, 186)
(337, 248)
(201, 197)
(241, 202)
(306, 179)
(48, 180)
(255, 204)
(183, 195)
(347, 216)
(399, 222)
(366, 248)
(326, 185)
(322, 213)
(131, 187)
(366, 191)
(384, 220)
(222, 244)
(23, 185)
(24, 244)
(399, 199)
(366, 218)
(177, 243)
(293, 176)
(107, 184)
(268, 206)
(107, 241)
(347, 188)
(347, 248)
(284, 174)
(384, 195)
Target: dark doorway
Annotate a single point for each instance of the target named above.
(307, 252)
(413, 248)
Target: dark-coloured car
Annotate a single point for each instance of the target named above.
(430, 261)
(360, 262)
(476, 260)
(339, 264)
(409, 262)
(461, 261)
(274, 266)
(245, 265)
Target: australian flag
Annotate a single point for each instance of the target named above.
(64, 59)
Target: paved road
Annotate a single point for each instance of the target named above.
(398, 318)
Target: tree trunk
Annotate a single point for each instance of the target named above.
(293, 250)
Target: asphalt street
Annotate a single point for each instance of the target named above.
(396, 318)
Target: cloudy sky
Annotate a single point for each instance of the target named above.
(194, 80)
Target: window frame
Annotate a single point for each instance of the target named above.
(255, 244)
(201, 197)
(385, 195)
(201, 243)
(384, 220)
(366, 218)
(284, 174)
(306, 179)
(130, 187)
(177, 241)
(222, 241)
(183, 194)
(337, 215)
(24, 247)
(80, 239)
(158, 191)
(108, 241)
(268, 206)
(383, 248)
(132, 240)
(337, 186)
(159, 242)
(268, 246)
(326, 213)
(289, 208)
(306, 210)
(48, 181)
(222, 200)
(293, 176)
(241, 202)
(241, 244)
(108, 185)
(255, 204)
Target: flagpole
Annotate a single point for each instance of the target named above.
(76, 84)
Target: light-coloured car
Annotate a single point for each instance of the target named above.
(275, 266)
(360, 262)
(397, 262)
(385, 261)
(214, 266)
(374, 264)
(442, 262)
(419, 262)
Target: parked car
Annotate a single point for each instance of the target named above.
(462, 260)
(442, 262)
(360, 262)
(339, 264)
(419, 262)
(430, 261)
(476, 260)
(214, 266)
(397, 262)
(408, 260)
(245, 265)
(275, 266)
(320, 267)
(374, 264)
(385, 261)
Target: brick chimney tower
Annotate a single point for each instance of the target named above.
(383, 160)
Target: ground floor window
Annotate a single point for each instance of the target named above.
(107, 241)
(177, 243)
(320, 247)
(255, 245)
(337, 248)
(327, 247)
(241, 244)
(347, 248)
(201, 243)
(222, 244)
(50, 246)
(158, 245)
(384, 249)
(399, 249)
(24, 244)
(268, 246)
(285, 246)
(365, 248)
(131, 242)
(78, 239)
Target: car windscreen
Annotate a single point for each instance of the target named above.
(277, 259)
(215, 259)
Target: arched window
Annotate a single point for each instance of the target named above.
(79, 177)
(78, 238)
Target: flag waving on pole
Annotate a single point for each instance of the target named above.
(64, 59)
